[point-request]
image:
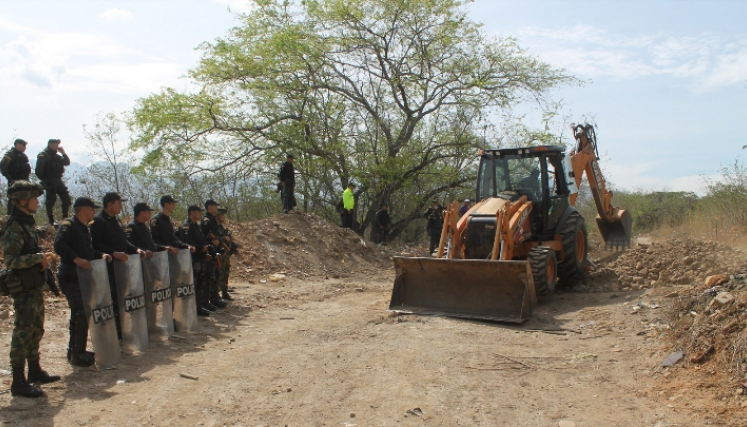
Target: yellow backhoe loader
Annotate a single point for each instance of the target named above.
(523, 235)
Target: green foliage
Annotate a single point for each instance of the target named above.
(391, 94)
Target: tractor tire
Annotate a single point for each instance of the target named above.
(544, 269)
(575, 249)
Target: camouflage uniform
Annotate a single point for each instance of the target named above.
(225, 259)
(25, 281)
(29, 304)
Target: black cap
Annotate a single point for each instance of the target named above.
(351, 184)
(142, 207)
(211, 202)
(222, 211)
(85, 201)
(194, 208)
(289, 156)
(112, 197)
(434, 202)
(53, 141)
(19, 141)
(168, 199)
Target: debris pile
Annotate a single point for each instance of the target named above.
(672, 262)
(709, 323)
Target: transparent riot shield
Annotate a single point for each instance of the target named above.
(183, 290)
(158, 296)
(97, 298)
(131, 295)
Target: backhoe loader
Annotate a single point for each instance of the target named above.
(522, 237)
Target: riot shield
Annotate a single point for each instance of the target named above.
(183, 290)
(97, 298)
(131, 295)
(158, 296)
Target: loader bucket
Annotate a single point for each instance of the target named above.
(616, 234)
(474, 289)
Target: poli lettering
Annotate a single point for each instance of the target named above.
(134, 303)
(160, 295)
(185, 291)
(102, 314)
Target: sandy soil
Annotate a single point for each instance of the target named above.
(326, 353)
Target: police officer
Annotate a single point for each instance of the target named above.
(212, 265)
(162, 229)
(108, 236)
(25, 281)
(73, 244)
(49, 168)
(15, 165)
(137, 230)
(190, 233)
(229, 248)
(435, 224)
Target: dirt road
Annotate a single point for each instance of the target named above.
(326, 353)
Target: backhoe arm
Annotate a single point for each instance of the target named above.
(614, 224)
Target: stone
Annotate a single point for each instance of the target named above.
(721, 300)
(277, 277)
(4, 314)
(716, 280)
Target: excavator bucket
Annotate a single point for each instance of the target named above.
(475, 289)
(616, 234)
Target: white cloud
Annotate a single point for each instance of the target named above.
(115, 15)
(240, 6)
(709, 60)
(643, 176)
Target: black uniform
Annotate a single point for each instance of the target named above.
(211, 230)
(109, 236)
(15, 166)
(190, 233)
(435, 225)
(73, 240)
(49, 168)
(138, 234)
(381, 225)
(162, 232)
(288, 176)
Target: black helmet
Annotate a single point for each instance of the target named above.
(24, 189)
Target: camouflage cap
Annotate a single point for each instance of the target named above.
(24, 189)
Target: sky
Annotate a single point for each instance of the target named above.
(664, 80)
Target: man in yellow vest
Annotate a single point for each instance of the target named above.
(348, 207)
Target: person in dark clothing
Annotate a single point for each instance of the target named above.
(162, 229)
(287, 178)
(73, 244)
(212, 233)
(190, 233)
(435, 216)
(382, 224)
(49, 169)
(137, 230)
(108, 236)
(15, 166)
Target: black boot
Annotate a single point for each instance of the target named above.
(39, 375)
(79, 339)
(215, 298)
(205, 299)
(226, 296)
(21, 387)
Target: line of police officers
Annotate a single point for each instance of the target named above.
(87, 236)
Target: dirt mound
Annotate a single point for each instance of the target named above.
(303, 245)
(672, 262)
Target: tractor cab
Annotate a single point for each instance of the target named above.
(535, 172)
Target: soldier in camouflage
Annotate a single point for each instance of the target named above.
(230, 248)
(25, 281)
